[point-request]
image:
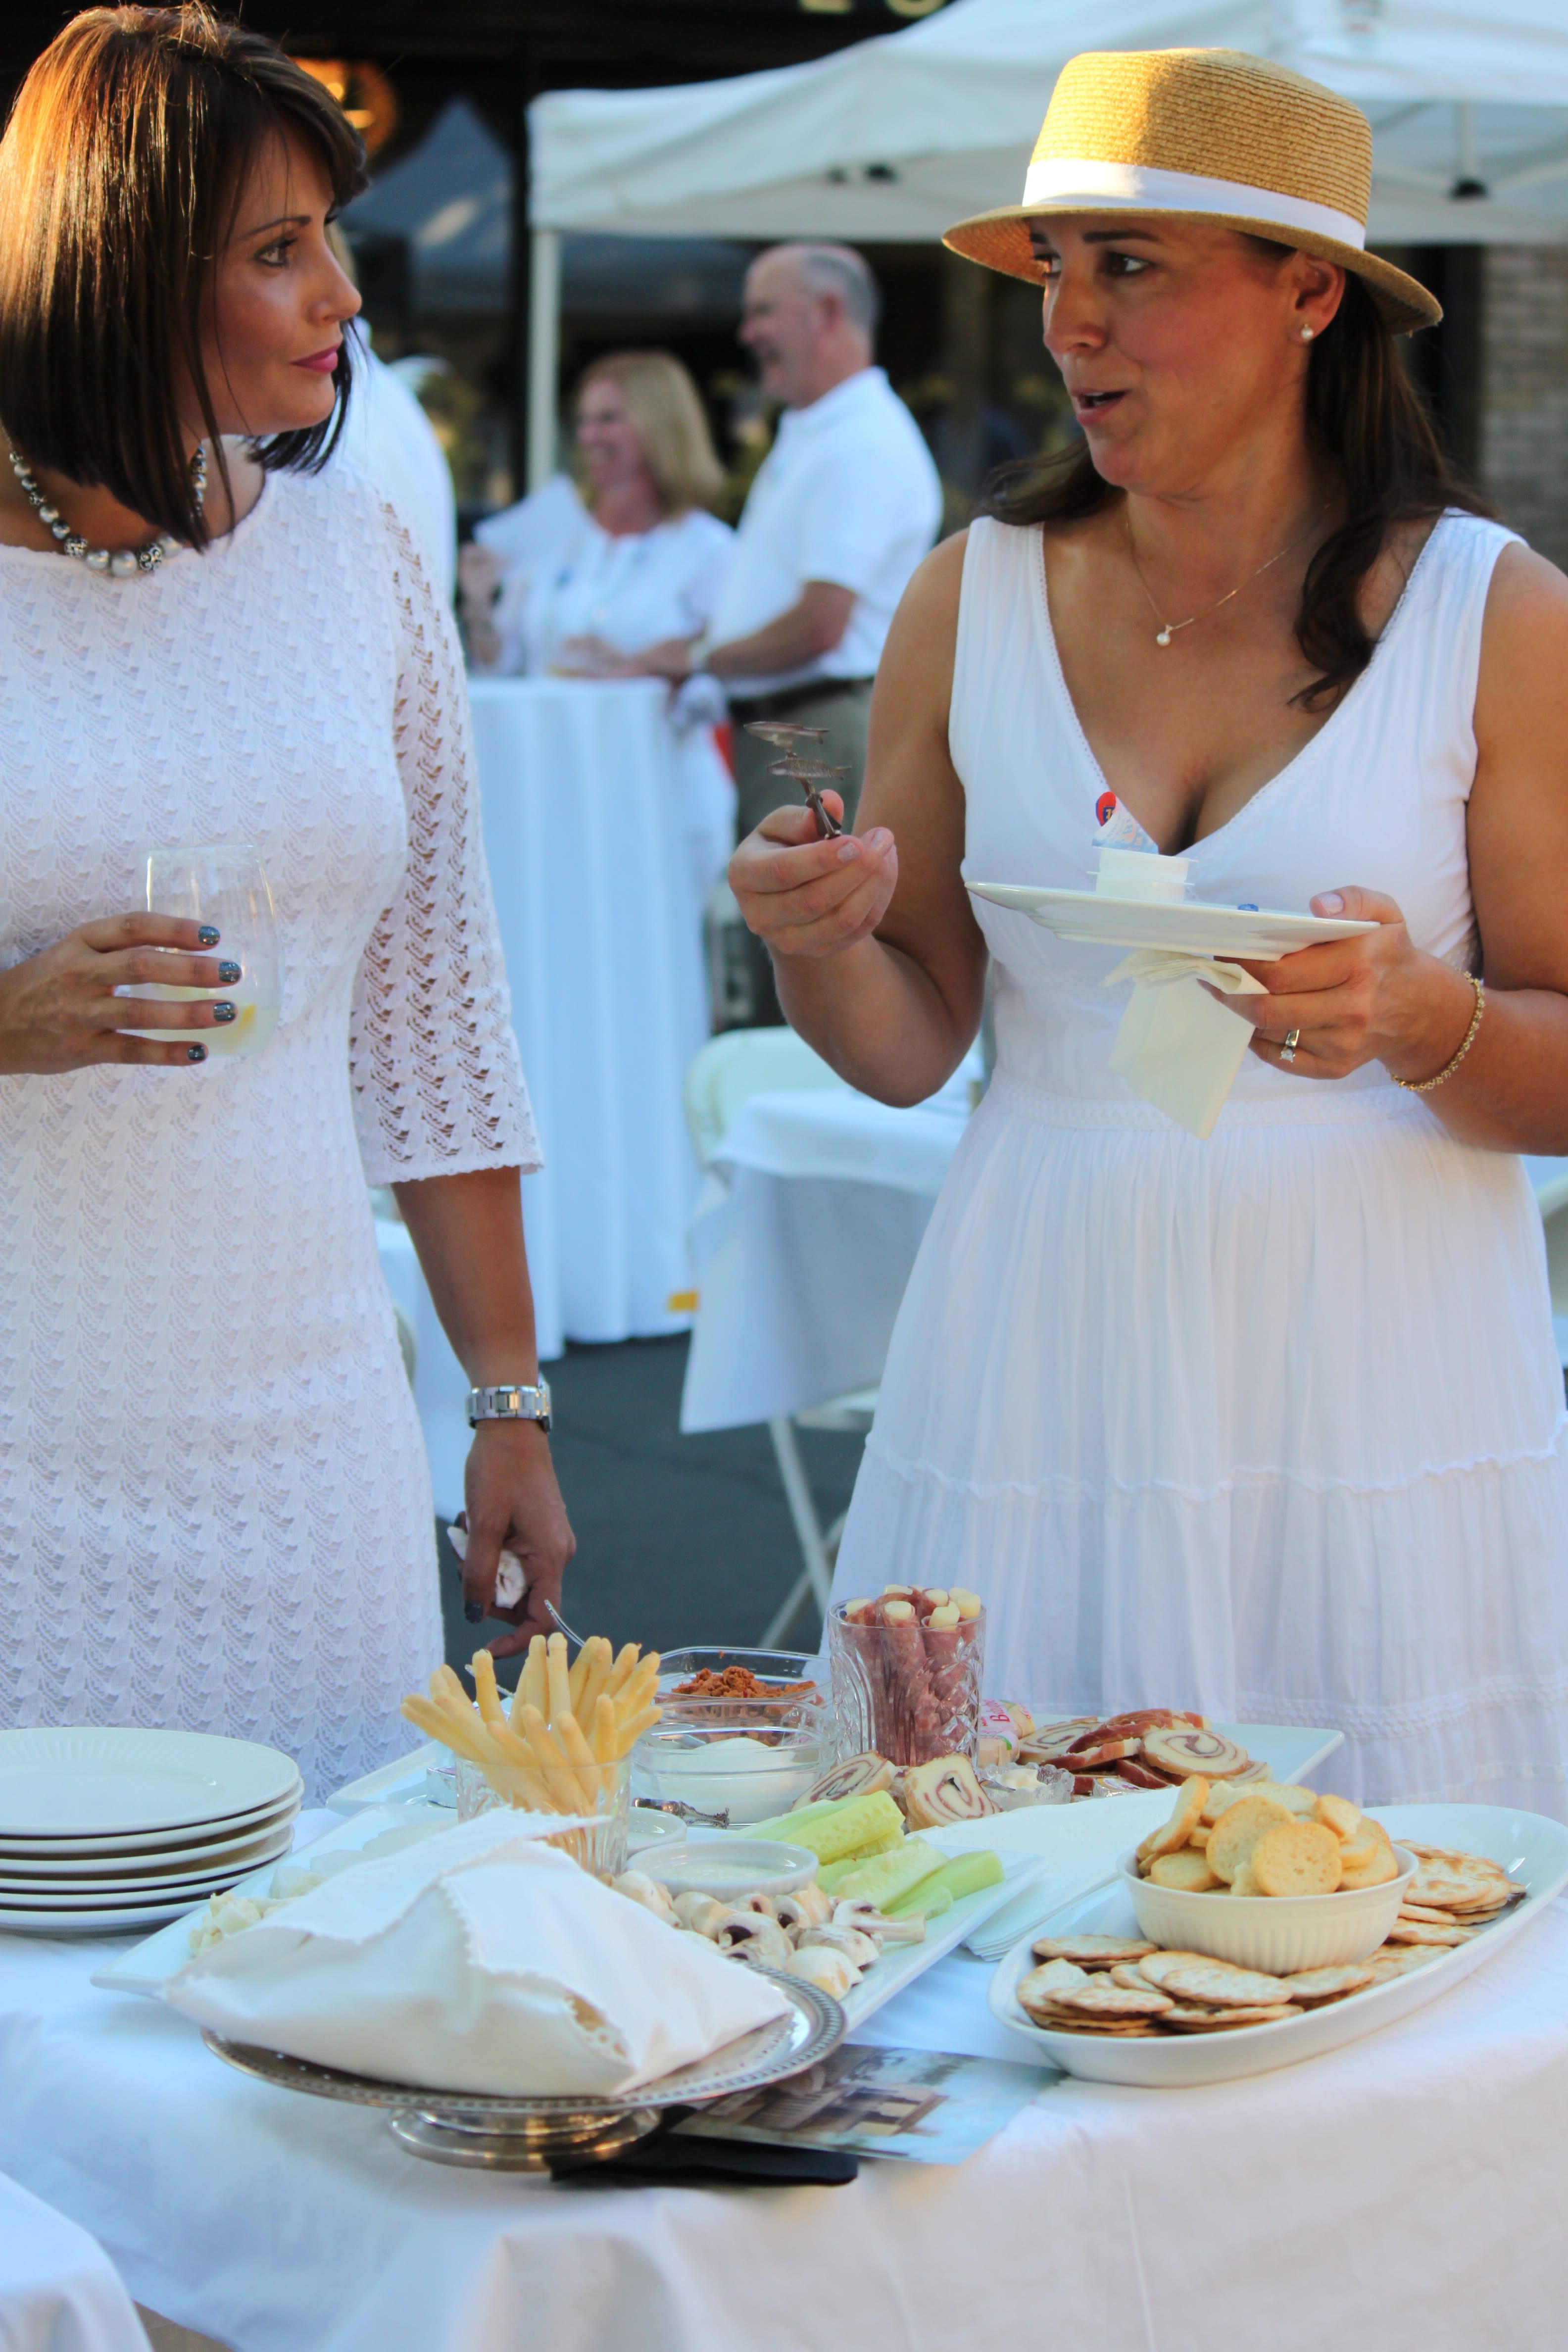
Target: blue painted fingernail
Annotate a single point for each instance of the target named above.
(223, 1011)
(227, 975)
(208, 936)
(196, 1053)
(473, 1613)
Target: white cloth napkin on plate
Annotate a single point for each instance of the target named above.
(1177, 1047)
(481, 1959)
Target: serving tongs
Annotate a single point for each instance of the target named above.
(809, 775)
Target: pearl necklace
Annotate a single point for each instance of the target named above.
(1168, 629)
(125, 561)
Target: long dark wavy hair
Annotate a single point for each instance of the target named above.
(1366, 419)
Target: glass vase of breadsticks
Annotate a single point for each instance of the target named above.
(565, 1747)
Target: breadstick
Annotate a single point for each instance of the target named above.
(604, 1741)
(445, 1684)
(568, 1732)
(626, 1659)
(531, 1689)
(436, 1723)
(601, 1658)
(483, 1668)
(553, 1762)
(582, 1666)
(630, 1730)
(555, 1677)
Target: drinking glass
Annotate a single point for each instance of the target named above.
(226, 886)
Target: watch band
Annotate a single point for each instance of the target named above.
(510, 1403)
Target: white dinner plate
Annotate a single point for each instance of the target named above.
(112, 1781)
(129, 1885)
(1530, 1848)
(190, 1837)
(245, 1852)
(1190, 924)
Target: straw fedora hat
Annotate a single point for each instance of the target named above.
(1205, 135)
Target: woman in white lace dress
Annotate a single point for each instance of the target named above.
(1271, 1423)
(215, 1508)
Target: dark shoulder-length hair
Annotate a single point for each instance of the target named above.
(1366, 419)
(121, 170)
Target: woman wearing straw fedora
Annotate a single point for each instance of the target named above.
(1271, 1423)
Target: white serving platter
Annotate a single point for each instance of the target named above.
(901, 1963)
(1188, 924)
(112, 1781)
(1530, 1848)
(401, 1782)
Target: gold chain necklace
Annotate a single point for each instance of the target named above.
(1168, 629)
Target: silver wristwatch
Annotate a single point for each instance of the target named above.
(510, 1404)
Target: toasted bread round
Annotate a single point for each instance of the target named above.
(1185, 1814)
(1380, 1870)
(1338, 1813)
(1298, 1858)
(1244, 1883)
(1187, 1870)
(1237, 1830)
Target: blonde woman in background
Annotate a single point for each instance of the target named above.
(579, 583)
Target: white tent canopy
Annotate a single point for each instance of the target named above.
(898, 137)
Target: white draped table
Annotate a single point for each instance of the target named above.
(1404, 2194)
(58, 2290)
(801, 1242)
(586, 826)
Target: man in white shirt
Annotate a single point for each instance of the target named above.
(843, 507)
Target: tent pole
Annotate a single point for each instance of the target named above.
(543, 352)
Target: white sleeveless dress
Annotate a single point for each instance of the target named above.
(1271, 1424)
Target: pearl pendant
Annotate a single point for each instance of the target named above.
(1163, 639)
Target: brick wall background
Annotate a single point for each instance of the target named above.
(1525, 392)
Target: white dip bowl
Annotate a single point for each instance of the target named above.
(728, 1867)
(1279, 1933)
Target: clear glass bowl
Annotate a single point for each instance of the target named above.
(748, 1754)
(600, 1846)
(905, 1692)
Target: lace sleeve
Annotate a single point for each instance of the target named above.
(439, 1089)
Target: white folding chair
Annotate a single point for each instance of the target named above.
(728, 1071)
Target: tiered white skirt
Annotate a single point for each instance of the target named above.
(1272, 1425)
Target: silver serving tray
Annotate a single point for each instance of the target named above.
(521, 2134)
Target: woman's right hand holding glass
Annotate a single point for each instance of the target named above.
(59, 1010)
(806, 896)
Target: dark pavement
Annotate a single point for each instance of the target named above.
(679, 1538)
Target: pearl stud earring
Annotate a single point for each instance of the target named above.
(1308, 333)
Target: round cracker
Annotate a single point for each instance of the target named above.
(1226, 2020)
(1091, 1951)
(1110, 2000)
(1298, 1858)
(1185, 1870)
(1156, 1965)
(1237, 1830)
(1221, 1986)
(1422, 1931)
(1312, 1985)
(1186, 1814)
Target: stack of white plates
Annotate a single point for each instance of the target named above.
(117, 1830)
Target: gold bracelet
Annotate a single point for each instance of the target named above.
(1425, 1085)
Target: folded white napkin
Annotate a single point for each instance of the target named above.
(1177, 1047)
(481, 1959)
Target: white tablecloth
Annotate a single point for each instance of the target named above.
(586, 828)
(1403, 2193)
(801, 1242)
(58, 2290)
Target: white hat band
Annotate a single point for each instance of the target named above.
(1106, 187)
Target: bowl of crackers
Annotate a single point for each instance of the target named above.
(1277, 1879)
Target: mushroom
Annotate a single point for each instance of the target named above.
(701, 1912)
(858, 1950)
(829, 1971)
(638, 1887)
(868, 1920)
(747, 1936)
(809, 1906)
(759, 1902)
